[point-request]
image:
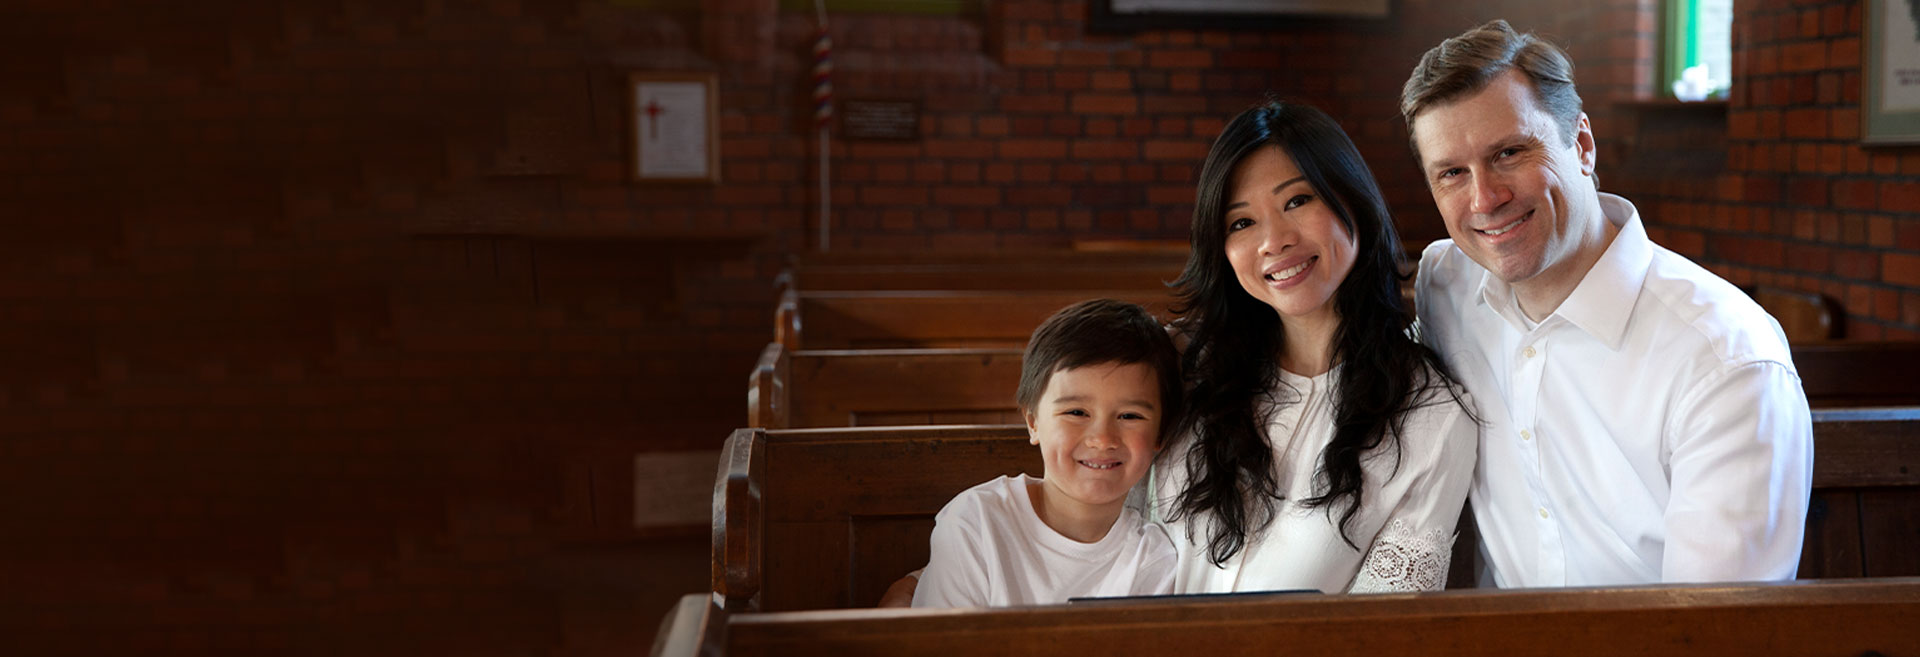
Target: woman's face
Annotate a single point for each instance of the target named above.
(1287, 246)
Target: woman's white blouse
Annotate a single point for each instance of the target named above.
(1405, 526)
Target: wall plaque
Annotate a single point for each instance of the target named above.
(879, 119)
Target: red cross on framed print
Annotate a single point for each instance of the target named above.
(675, 119)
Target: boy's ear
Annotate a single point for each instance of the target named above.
(1033, 429)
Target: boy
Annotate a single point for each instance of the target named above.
(1099, 386)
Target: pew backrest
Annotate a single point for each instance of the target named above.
(1848, 373)
(932, 318)
(827, 518)
(1857, 617)
(844, 512)
(882, 387)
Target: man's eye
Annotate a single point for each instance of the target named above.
(1238, 224)
(1509, 152)
(1449, 173)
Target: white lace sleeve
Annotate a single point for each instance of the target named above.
(1403, 559)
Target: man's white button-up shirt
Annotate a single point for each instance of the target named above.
(1652, 429)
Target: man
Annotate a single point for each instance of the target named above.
(1643, 419)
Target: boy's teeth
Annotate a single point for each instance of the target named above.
(1095, 466)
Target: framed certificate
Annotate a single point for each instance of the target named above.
(1890, 103)
(676, 127)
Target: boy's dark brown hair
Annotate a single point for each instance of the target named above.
(1102, 331)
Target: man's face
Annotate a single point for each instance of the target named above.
(1509, 187)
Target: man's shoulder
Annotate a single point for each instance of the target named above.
(1729, 322)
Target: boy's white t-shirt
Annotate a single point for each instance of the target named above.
(990, 549)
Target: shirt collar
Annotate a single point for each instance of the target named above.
(1602, 303)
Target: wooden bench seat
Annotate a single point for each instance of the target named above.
(1852, 617)
(827, 518)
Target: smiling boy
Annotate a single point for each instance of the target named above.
(1099, 386)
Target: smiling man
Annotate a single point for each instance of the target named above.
(1643, 419)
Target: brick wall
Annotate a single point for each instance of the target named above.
(342, 316)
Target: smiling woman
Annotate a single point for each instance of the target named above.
(1324, 448)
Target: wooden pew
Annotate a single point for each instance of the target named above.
(882, 387)
(827, 518)
(1852, 373)
(931, 318)
(1130, 274)
(1854, 617)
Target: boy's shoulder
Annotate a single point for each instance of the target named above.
(1004, 496)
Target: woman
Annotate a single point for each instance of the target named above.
(1323, 449)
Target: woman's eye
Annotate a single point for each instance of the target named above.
(1298, 201)
(1238, 224)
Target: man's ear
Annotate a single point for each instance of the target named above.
(1033, 426)
(1583, 140)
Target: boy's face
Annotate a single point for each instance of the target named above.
(1098, 428)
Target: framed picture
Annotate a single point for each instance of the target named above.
(1135, 15)
(1890, 110)
(676, 127)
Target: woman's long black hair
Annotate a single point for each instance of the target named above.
(1234, 340)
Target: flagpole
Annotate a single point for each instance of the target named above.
(822, 116)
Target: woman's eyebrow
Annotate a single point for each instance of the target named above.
(1276, 190)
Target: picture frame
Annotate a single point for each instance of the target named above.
(674, 121)
(1890, 99)
(1110, 16)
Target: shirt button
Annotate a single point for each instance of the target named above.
(1543, 512)
(1529, 352)
(1526, 435)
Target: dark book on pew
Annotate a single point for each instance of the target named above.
(1188, 597)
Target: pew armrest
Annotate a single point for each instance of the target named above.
(767, 399)
(737, 513)
(786, 320)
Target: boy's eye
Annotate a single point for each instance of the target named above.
(1132, 416)
(1074, 412)
(1238, 224)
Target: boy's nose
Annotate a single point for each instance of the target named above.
(1104, 435)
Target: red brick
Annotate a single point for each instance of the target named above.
(1028, 57)
(1002, 172)
(1051, 195)
(1064, 126)
(991, 126)
(1180, 59)
(1091, 103)
(1854, 194)
(1857, 265)
(1843, 53)
(1900, 197)
(967, 195)
(1015, 149)
(1112, 80)
(1808, 123)
(1033, 102)
(1807, 191)
(1845, 123)
(1901, 269)
(1071, 80)
(1170, 194)
(893, 195)
(959, 148)
(1086, 58)
(1036, 172)
(1105, 149)
(1162, 149)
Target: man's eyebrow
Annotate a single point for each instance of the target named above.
(1276, 190)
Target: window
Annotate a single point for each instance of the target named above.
(1699, 57)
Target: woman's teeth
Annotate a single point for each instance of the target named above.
(1289, 272)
